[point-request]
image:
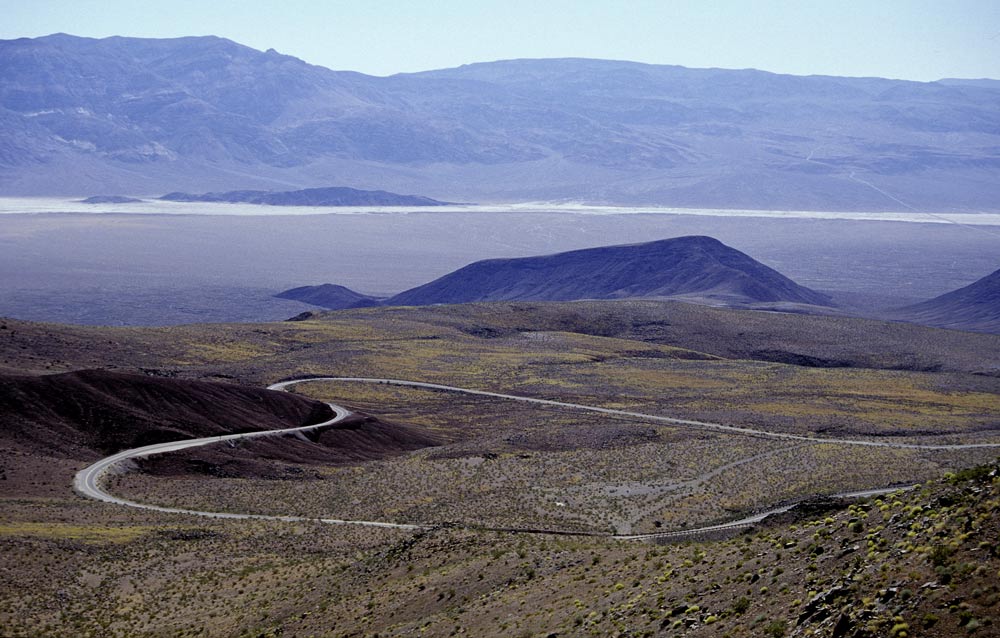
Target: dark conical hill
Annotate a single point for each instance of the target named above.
(695, 267)
(329, 296)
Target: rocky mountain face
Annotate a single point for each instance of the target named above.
(975, 307)
(137, 116)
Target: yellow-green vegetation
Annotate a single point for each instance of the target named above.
(920, 562)
(519, 465)
(925, 559)
(508, 464)
(85, 533)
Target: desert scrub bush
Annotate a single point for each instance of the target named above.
(741, 605)
(979, 474)
(940, 554)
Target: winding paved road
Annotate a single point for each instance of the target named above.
(704, 425)
(89, 481)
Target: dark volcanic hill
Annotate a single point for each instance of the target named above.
(84, 414)
(697, 268)
(330, 296)
(138, 116)
(53, 421)
(359, 438)
(108, 411)
(329, 196)
(974, 307)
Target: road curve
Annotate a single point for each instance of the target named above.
(88, 481)
(752, 520)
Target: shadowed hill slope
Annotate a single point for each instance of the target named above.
(74, 413)
(975, 307)
(697, 267)
(84, 414)
(358, 438)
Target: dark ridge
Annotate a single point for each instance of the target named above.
(797, 359)
(695, 268)
(330, 196)
(329, 296)
(356, 439)
(90, 412)
(109, 199)
(975, 307)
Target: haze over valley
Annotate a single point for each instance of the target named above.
(168, 269)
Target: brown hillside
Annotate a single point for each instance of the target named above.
(358, 438)
(90, 412)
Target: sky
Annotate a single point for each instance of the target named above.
(908, 39)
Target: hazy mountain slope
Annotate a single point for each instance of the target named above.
(700, 267)
(329, 296)
(136, 116)
(974, 307)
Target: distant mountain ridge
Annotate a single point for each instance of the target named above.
(330, 296)
(975, 307)
(328, 196)
(700, 269)
(138, 116)
(109, 199)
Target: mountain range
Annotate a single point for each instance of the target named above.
(80, 116)
(327, 196)
(700, 269)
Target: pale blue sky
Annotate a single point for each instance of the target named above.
(911, 39)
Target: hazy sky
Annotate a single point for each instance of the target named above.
(912, 39)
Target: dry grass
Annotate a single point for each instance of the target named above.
(518, 465)
(74, 567)
(927, 559)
